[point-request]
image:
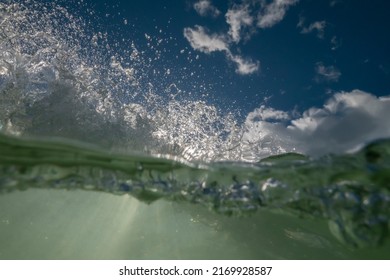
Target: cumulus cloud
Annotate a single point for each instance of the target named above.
(347, 121)
(326, 73)
(244, 66)
(317, 26)
(274, 12)
(238, 17)
(206, 8)
(201, 41)
(263, 113)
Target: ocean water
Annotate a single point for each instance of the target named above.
(97, 162)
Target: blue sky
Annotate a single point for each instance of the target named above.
(304, 75)
(256, 76)
(286, 54)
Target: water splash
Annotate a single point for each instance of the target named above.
(59, 77)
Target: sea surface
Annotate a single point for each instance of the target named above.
(97, 163)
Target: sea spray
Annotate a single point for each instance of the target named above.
(79, 111)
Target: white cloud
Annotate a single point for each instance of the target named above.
(208, 43)
(206, 8)
(347, 121)
(238, 17)
(264, 113)
(317, 26)
(244, 66)
(201, 41)
(326, 73)
(273, 12)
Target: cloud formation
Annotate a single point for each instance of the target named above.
(206, 8)
(238, 17)
(317, 26)
(200, 40)
(346, 122)
(273, 12)
(244, 66)
(248, 17)
(263, 113)
(326, 73)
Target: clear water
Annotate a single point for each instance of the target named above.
(286, 206)
(97, 162)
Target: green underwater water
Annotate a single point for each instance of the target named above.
(59, 199)
(66, 200)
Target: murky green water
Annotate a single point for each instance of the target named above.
(62, 200)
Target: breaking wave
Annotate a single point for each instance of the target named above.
(63, 82)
